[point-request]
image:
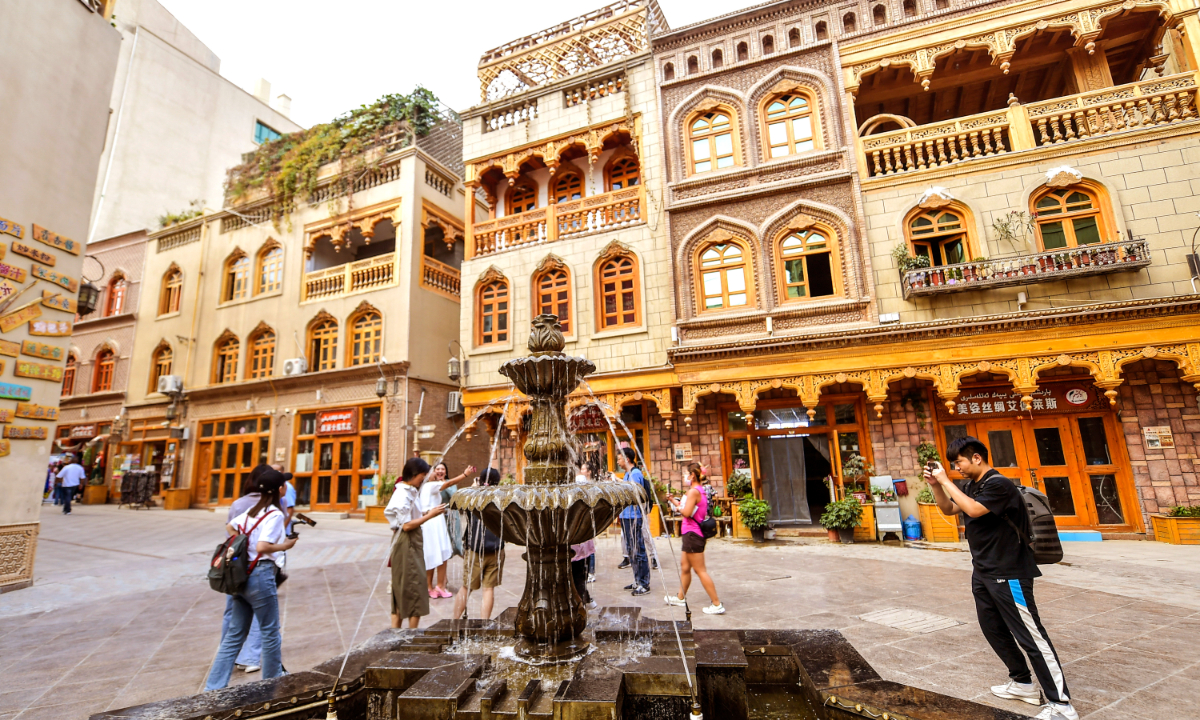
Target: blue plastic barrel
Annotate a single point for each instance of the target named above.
(912, 528)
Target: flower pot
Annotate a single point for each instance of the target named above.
(1176, 530)
(866, 526)
(833, 534)
(95, 495)
(936, 526)
(375, 514)
(846, 536)
(759, 534)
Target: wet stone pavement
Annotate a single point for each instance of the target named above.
(120, 613)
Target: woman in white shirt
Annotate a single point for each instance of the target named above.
(258, 599)
(403, 511)
(435, 535)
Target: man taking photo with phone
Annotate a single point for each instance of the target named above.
(1004, 569)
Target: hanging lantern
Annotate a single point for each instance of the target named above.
(89, 295)
(453, 369)
(381, 387)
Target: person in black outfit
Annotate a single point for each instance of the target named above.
(1004, 569)
(483, 557)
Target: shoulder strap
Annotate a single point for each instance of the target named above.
(257, 555)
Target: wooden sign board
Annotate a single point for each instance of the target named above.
(5, 448)
(24, 432)
(36, 349)
(33, 411)
(337, 422)
(6, 415)
(43, 235)
(38, 371)
(7, 289)
(42, 272)
(54, 328)
(34, 253)
(10, 348)
(22, 315)
(12, 273)
(9, 227)
(9, 391)
(3, 250)
(58, 301)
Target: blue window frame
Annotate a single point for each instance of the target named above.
(263, 133)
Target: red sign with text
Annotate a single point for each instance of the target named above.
(337, 422)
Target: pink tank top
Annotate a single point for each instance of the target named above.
(692, 524)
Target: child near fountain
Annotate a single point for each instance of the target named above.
(434, 535)
(409, 597)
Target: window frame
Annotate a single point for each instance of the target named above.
(562, 176)
(114, 298)
(634, 273)
(522, 182)
(355, 358)
(325, 331)
(835, 264)
(561, 275)
(257, 349)
(170, 298)
(622, 158)
(713, 158)
(746, 264)
(69, 373)
(157, 364)
(237, 271)
(1101, 210)
(226, 351)
(104, 370)
(262, 270)
(814, 121)
(500, 284)
(937, 239)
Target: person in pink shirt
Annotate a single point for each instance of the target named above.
(694, 508)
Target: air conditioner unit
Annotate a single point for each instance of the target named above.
(170, 384)
(295, 366)
(454, 404)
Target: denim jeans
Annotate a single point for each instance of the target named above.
(258, 600)
(635, 543)
(251, 653)
(65, 494)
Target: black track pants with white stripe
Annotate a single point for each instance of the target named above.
(1009, 620)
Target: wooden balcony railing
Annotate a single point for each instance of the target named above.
(440, 277)
(350, 278)
(575, 217)
(1041, 267)
(1162, 101)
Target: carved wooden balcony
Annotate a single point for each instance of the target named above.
(440, 277)
(1052, 266)
(351, 278)
(595, 213)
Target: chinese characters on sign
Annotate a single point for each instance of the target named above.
(12, 273)
(587, 419)
(34, 254)
(41, 350)
(39, 371)
(16, 319)
(1003, 401)
(36, 412)
(57, 301)
(10, 348)
(50, 327)
(337, 422)
(22, 432)
(8, 391)
(6, 415)
(43, 235)
(11, 228)
(42, 272)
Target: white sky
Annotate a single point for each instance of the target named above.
(334, 56)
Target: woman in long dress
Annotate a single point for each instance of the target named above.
(404, 514)
(435, 535)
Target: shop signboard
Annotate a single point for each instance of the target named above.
(55, 240)
(58, 301)
(1004, 402)
(10, 348)
(42, 272)
(19, 317)
(83, 431)
(36, 412)
(337, 422)
(588, 419)
(39, 371)
(9, 391)
(6, 415)
(51, 328)
(23, 432)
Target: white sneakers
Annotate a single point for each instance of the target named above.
(1013, 690)
(253, 668)
(591, 577)
(714, 610)
(674, 600)
(1055, 711)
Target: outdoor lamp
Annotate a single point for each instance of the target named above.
(381, 387)
(172, 411)
(89, 294)
(453, 369)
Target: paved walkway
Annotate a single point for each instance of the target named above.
(120, 613)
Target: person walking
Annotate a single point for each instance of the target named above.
(483, 558)
(409, 597)
(694, 509)
(631, 524)
(72, 476)
(435, 535)
(1004, 569)
(258, 599)
(586, 474)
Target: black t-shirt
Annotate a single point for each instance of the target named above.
(996, 550)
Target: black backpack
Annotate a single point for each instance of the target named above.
(1043, 539)
(708, 526)
(231, 567)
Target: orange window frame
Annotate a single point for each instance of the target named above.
(620, 303)
(116, 296)
(262, 355)
(102, 380)
(237, 278)
(522, 197)
(722, 270)
(623, 171)
(322, 345)
(945, 226)
(567, 186)
(172, 292)
(366, 339)
(552, 293)
(270, 270)
(795, 107)
(706, 130)
(225, 361)
(68, 382)
(784, 255)
(1068, 214)
(488, 312)
(164, 357)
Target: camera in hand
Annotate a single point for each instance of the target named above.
(297, 519)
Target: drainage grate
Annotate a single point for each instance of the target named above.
(913, 621)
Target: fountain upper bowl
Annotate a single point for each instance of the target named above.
(547, 374)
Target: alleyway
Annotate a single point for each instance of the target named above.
(120, 614)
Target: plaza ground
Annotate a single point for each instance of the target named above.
(120, 613)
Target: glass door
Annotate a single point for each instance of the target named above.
(336, 488)
(1052, 469)
(1099, 485)
(1006, 448)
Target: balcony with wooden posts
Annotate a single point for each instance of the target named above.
(351, 278)
(440, 277)
(597, 213)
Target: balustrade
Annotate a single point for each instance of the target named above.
(440, 277)
(353, 277)
(575, 217)
(926, 146)
(1124, 107)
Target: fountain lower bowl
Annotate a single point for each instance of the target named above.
(542, 515)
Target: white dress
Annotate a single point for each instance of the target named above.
(434, 534)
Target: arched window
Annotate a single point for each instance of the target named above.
(116, 296)
(160, 365)
(522, 197)
(821, 31)
(102, 376)
(552, 295)
(768, 44)
(723, 275)
(794, 37)
(568, 185)
(939, 234)
(237, 277)
(261, 361)
(693, 64)
(172, 292)
(225, 360)
(743, 52)
(789, 125)
(669, 71)
(270, 270)
(717, 58)
(322, 344)
(623, 171)
(879, 15)
(806, 257)
(1068, 217)
(620, 296)
(711, 136)
(492, 313)
(848, 24)
(942, 4)
(910, 8)
(366, 338)
(68, 383)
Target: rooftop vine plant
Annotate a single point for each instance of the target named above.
(288, 167)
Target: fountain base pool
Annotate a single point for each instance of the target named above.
(469, 669)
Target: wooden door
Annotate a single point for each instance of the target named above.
(1054, 470)
(334, 475)
(1005, 442)
(204, 473)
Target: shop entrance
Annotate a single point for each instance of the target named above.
(228, 451)
(337, 457)
(1069, 456)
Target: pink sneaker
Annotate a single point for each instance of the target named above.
(442, 592)
(434, 594)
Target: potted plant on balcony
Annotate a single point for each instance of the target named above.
(843, 516)
(1180, 526)
(754, 514)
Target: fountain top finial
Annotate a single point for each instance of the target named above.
(546, 335)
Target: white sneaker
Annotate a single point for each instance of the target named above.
(674, 600)
(591, 605)
(1013, 690)
(253, 668)
(591, 578)
(1055, 711)
(714, 610)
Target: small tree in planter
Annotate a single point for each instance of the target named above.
(739, 484)
(842, 516)
(754, 515)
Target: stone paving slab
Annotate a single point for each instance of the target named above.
(120, 613)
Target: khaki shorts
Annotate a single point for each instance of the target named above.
(484, 570)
